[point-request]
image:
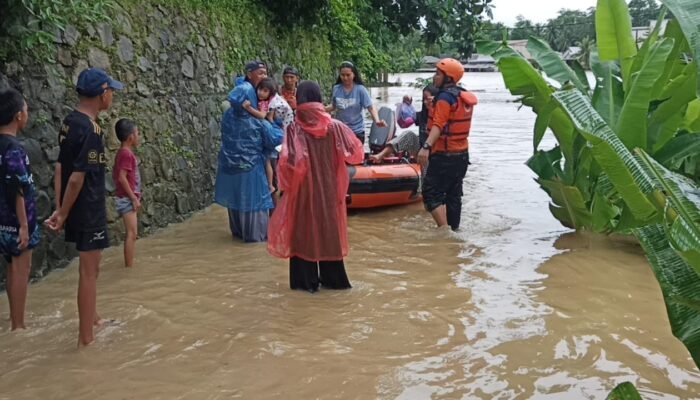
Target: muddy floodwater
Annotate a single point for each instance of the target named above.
(513, 307)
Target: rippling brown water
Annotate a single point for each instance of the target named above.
(513, 307)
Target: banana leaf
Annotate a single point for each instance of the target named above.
(651, 40)
(679, 283)
(580, 72)
(691, 120)
(677, 94)
(522, 79)
(585, 169)
(624, 391)
(604, 209)
(678, 150)
(615, 159)
(608, 95)
(604, 214)
(632, 126)
(487, 46)
(568, 205)
(544, 117)
(675, 63)
(687, 12)
(660, 133)
(553, 65)
(505, 51)
(683, 196)
(546, 164)
(614, 35)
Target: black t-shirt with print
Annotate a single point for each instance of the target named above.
(82, 150)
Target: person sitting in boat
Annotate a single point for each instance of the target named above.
(408, 141)
(405, 112)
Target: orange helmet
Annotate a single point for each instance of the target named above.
(452, 68)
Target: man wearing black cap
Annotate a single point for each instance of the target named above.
(80, 189)
(255, 71)
(291, 77)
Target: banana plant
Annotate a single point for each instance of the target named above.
(628, 151)
(646, 97)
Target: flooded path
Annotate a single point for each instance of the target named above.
(513, 307)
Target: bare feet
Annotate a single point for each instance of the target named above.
(82, 343)
(376, 158)
(105, 322)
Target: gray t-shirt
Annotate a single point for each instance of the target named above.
(350, 105)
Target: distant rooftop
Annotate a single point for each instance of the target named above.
(521, 47)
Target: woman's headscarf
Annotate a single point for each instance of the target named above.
(311, 114)
(309, 92)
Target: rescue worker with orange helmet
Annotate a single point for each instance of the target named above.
(446, 150)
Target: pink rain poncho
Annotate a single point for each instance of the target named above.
(310, 221)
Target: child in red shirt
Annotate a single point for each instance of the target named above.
(128, 181)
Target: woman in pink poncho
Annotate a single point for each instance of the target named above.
(309, 225)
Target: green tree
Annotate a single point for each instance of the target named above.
(492, 31)
(569, 28)
(452, 26)
(288, 12)
(523, 29)
(643, 12)
(587, 46)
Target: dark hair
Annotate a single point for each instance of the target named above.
(347, 64)
(11, 102)
(124, 128)
(432, 90)
(289, 70)
(269, 84)
(309, 92)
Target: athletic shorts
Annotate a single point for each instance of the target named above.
(9, 241)
(88, 240)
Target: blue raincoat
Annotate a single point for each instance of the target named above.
(241, 183)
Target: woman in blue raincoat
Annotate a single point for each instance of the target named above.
(241, 183)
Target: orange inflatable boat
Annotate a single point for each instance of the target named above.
(394, 182)
(383, 185)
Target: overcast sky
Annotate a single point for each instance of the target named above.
(535, 10)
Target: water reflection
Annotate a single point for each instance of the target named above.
(512, 307)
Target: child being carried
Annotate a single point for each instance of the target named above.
(275, 109)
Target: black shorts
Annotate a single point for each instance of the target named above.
(88, 240)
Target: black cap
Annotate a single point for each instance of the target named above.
(289, 70)
(254, 65)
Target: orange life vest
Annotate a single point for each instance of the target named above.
(455, 134)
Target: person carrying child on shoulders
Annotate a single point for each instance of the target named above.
(128, 181)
